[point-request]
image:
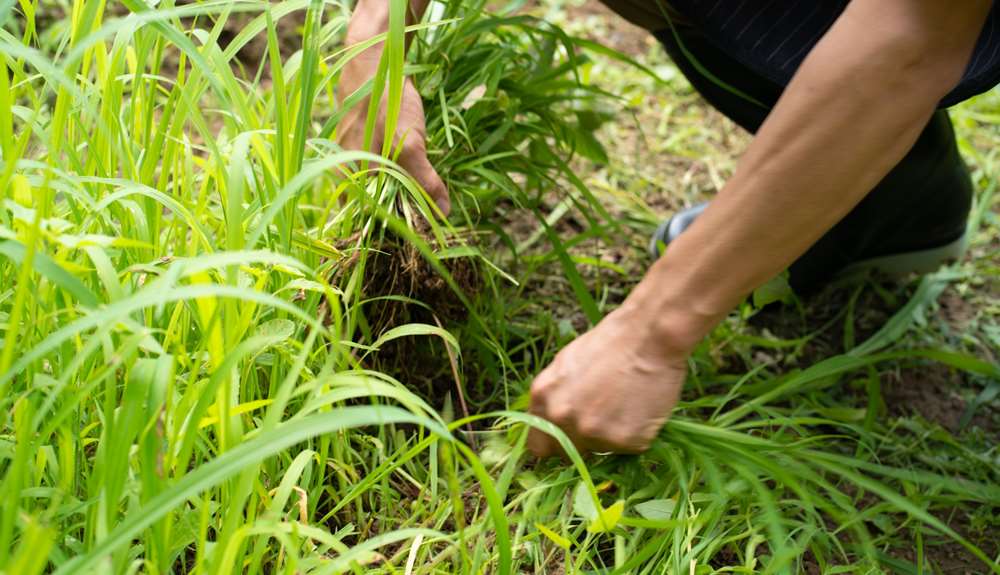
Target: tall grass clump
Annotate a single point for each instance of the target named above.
(186, 380)
(205, 305)
(178, 382)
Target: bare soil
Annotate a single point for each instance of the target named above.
(932, 392)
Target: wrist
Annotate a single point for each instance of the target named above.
(674, 318)
(669, 330)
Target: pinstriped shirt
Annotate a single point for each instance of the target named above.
(772, 37)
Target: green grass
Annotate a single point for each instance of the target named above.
(198, 373)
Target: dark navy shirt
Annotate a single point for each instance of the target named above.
(772, 37)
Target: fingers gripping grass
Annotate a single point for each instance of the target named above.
(188, 386)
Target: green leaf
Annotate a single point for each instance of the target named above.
(553, 536)
(416, 329)
(149, 297)
(31, 555)
(988, 394)
(775, 290)
(583, 295)
(589, 146)
(608, 518)
(46, 266)
(276, 330)
(583, 502)
(656, 509)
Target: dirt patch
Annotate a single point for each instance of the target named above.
(612, 30)
(956, 310)
(949, 557)
(838, 319)
(932, 392)
(834, 320)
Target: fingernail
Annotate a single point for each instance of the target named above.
(444, 204)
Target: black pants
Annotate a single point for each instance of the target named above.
(922, 203)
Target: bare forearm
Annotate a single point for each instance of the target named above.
(371, 18)
(856, 106)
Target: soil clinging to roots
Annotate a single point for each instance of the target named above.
(400, 286)
(395, 272)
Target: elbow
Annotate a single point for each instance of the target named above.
(916, 48)
(927, 60)
(932, 70)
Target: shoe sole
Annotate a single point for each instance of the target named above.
(918, 262)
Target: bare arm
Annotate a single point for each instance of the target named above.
(371, 18)
(856, 105)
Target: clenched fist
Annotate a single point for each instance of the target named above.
(611, 389)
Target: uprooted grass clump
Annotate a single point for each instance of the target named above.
(507, 115)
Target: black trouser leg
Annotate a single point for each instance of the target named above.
(921, 203)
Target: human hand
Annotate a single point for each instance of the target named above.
(611, 389)
(410, 127)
